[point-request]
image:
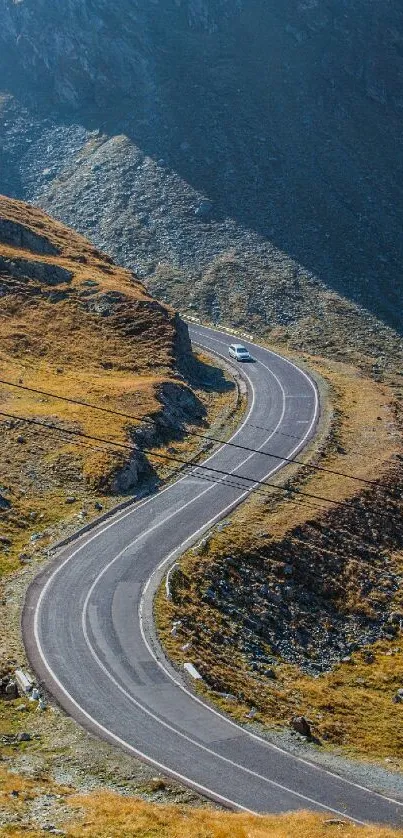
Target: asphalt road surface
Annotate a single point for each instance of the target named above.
(88, 630)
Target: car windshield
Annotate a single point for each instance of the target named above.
(242, 351)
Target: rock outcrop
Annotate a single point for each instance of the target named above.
(71, 319)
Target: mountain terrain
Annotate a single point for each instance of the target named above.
(75, 325)
(99, 387)
(243, 158)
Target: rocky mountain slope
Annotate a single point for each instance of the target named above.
(75, 325)
(245, 158)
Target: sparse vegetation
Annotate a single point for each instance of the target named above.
(50, 482)
(257, 184)
(110, 815)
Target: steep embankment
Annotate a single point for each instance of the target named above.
(74, 324)
(252, 147)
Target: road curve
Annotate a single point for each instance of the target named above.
(86, 620)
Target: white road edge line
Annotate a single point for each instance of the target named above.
(138, 703)
(53, 675)
(216, 712)
(191, 538)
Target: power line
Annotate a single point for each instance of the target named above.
(151, 421)
(190, 466)
(125, 446)
(209, 479)
(291, 460)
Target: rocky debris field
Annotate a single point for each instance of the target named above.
(329, 588)
(156, 223)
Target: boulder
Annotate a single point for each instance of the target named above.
(203, 209)
(368, 657)
(398, 697)
(301, 725)
(23, 737)
(37, 271)
(17, 235)
(11, 690)
(396, 618)
(270, 673)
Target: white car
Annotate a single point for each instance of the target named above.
(239, 352)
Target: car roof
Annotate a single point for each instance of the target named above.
(238, 346)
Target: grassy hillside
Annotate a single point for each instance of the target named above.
(75, 325)
(106, 815)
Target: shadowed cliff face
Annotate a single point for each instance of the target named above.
(188, 132)
(85, 53)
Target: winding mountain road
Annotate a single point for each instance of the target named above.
(88, 631)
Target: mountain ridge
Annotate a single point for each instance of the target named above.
(198, 130)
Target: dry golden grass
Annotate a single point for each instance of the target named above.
(17, 795)
(60, 349)
(349, 707)
(73, 248)
(109, 815)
